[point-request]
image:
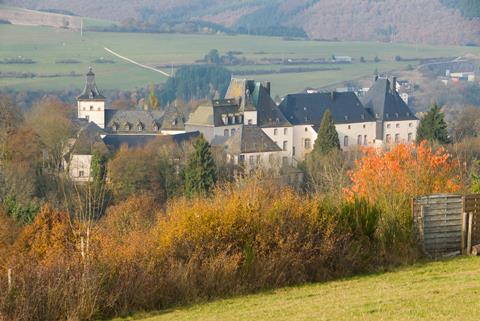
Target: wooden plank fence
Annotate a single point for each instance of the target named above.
(438, 220)
(447, 223)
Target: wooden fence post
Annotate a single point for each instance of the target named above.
(9, 278)
(464, 232)
(469, 235)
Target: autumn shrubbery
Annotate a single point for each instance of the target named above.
(246, 236)
(141, 257)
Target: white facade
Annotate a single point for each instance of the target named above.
(395, 132)
(283, 137)
(79, 168)
(264, 160)
(303, 139)
(93, 111)
(250, 117)
(353, 135)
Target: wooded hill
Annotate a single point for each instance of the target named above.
(420, 21)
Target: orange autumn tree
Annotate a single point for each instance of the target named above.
(392, 178)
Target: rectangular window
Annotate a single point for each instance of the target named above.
(258, 159)
(241, 159)
(225, 133)
(285, 144)
(388, 138)
(410, 125)
(232, 132)
(397, 138)
(285, 131)
(81, 173)
(284, 160)
(388, 125)
(306, 129)
(293, 151)
(365, 141)
(410, 137)
(308, 143)
(250, 122)
(251, 160)
(345, 141)
(359, 140)
(397, 125)
(275, 132)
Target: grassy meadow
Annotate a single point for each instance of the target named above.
(444, 290)
(45, 45)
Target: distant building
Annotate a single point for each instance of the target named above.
(342, 59)
(98, 128)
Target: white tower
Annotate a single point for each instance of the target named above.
(91, 104)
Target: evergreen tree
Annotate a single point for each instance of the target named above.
(433, 127)
(201, 171)
(98, 167)
(152, 99)
(327, 138)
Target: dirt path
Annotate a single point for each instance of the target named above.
(136, 63)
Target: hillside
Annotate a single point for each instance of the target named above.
(420, 21)
(435, 291)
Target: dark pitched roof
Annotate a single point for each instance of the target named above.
(129, 120)
(173, 119)
(250, 139)
(306, 108)
(114, 142)
(87, 138)
(253, 95)
(90, 92)
(384, 103)
(268, 113)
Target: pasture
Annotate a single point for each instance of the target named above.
(46, 46)
(444, 290)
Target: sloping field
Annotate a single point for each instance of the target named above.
(448, 290)
(48, 46)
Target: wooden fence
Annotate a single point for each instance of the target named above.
(447, 223)
(438, 219)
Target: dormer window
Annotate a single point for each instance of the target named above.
(127, 126)
(277, 120)
(346, 117)
(362, 116)
(115, 127)
(90, 95)
(225, 119)
(155, 127)
(377, 116)
(174, 122)
(408, 114)
(386, 115)
(396, 115)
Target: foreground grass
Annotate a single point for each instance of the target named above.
(446, 290)
(46, 45)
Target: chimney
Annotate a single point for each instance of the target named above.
(394, 84)
(376, 77)
(267, 86)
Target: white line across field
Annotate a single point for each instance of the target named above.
(135, 63)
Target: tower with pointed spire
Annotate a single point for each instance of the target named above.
(91, 103)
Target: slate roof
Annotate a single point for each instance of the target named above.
(211, 114)
(90, 92)
(122, 120)
(203, 115)
(308, 109)
(385, 104)
(114, 142)
(173, 119)
(250, 139)
(253, 95)
(87, 138)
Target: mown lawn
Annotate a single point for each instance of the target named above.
(444, 290)
(46, 45)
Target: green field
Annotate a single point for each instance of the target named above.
(446, 290)
(46, 45)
